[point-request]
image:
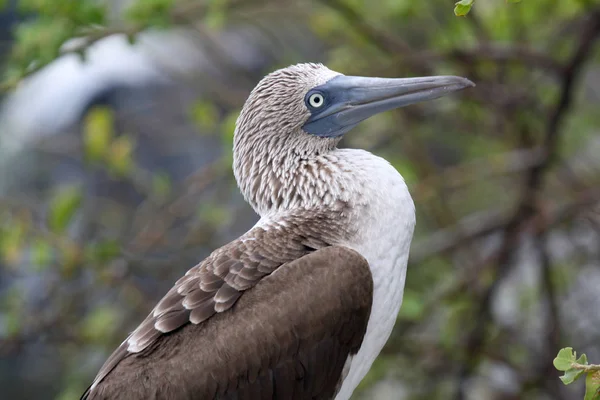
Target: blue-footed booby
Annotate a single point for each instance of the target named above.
(300, 306)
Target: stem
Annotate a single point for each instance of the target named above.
(586, 368)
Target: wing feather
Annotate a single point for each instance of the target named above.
(288, 337)
(215, 286)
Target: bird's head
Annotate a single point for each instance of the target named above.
(302, 111)
(311, 104)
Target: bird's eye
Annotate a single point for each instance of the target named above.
(316, 100)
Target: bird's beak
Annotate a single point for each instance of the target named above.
(349, 100)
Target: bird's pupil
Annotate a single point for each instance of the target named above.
(316, 100)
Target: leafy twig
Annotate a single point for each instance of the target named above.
(574, 368)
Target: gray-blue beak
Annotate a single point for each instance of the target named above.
(344, 101)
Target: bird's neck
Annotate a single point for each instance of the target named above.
(286, 181)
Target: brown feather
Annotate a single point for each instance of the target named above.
(211, 285)
(195, 298)
(203, 312)
(225, 293)
(260, 252)
(226, 355)
(231, 356)
(172, 299)
(172, 320)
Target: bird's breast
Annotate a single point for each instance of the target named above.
(384, 232)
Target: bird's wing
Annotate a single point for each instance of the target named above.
(288, 337)
(215, 284)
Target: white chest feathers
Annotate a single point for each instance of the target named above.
(385, 232)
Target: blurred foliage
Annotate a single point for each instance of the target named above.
(499, 174)
(98, 133)
(39, 41)
(100, 145)
(63, 207)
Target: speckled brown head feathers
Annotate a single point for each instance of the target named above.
(270, 148)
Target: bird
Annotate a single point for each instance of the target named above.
(300, 306)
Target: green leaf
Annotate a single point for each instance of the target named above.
(97, 133)
(592, 386)
(564, 359)
(582, 360)
(38, 42)
(463, 7)
(571, 375)
(63, 207)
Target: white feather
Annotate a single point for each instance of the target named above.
(385, 234)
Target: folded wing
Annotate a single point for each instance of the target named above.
(285, 329)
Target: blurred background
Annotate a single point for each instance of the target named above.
(115, 176)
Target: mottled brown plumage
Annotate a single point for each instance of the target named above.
(256, 358)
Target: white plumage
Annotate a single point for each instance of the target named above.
(386, 229)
